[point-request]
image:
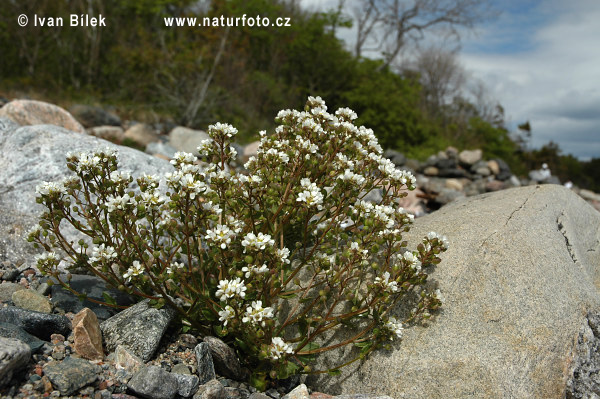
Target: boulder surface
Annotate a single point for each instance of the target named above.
(30, 155)
(518, 280)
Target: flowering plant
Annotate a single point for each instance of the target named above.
(275, 258)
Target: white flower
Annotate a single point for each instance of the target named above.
(249, 270)
(230, 288)
(394, 327)
(283, 157)
(432, 235)
(191, 185)
(183, 158)
(278, 348)
(224, 129)
(220, 235)
(306, 144)
(149, 180)
(214, 208)
(312, 195)
(34, 231)
(87, 162)
(352, 177)
(177, 265)
(437, 294)
(50, 188)
(386, 283)
(256, 313)
(283, 255)
(412, 260)
(151, 199)
(226, 314)
(103, 253)
(46, 257)
(251, 179)
(119, 202)
(135, 270)
(205, 146)
(257, 242)
(317, 102)
(354, 246)
(120, 177)
(346, 113)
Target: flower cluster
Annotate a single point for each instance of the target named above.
(276, 257)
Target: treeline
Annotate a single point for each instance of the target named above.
(198, 75)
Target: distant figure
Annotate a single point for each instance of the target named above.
(542, 175)
(545, 172)
(569, 184)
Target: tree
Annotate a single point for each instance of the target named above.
(441, 76)
(387, 26)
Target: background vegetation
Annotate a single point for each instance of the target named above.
(195, 76)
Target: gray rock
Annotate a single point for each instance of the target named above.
(43, 289)
(7, 124)
(8, 289)
(585, 194)
(225, 360)
(584, 382)
(125, 359)
(505, 172)
(362, 396)
(181, 368)
(431, 171)
(518, 279)
(111, 133)
(446, 163)
(42, 325)
(187, 384)
(14, 355)
(93, 287)
(396, 157)
(204, 361)
(448, 195)
(475, 187)
(90, 116)
(30, 112)
(32, 300)
(8, 330)
(211, 390)
(153, 383)
(300, 392)
(258, 395)
(483, 171)
(452, 172)
(30, 155)
(139, 328)
(375, 196)
(71, 374)
(142, 134)
(469, 157)
(186, 139)
(158, 147)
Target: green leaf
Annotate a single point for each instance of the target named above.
(288, 296)
(108, 298)
(334, 372)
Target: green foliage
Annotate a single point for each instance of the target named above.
(213, 243)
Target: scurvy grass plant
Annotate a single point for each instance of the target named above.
(274, 259)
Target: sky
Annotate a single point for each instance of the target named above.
(540, 59)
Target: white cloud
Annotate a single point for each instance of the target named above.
(555, 82)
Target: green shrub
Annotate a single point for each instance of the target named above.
(274, 259)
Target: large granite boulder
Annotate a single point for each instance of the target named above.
(520, 276)
(30, 155)
(30, 112)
